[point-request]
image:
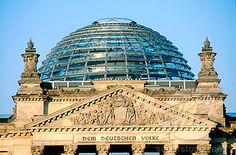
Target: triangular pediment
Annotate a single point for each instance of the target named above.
(120, 107)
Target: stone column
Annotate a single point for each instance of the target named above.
(203, 149)
(70, 149)
(170, 149)
(224, 148)
(103, 149)
(138, 149)
(37, 150)
(232, 148)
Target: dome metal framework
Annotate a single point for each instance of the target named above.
(115, 48)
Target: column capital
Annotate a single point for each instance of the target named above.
(138, 148)
(203, 149)
(170, 148)
(37, 149)
(103, 149)
(70, 149)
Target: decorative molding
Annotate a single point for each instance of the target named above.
(30, 98)
(192, 98)
(118, 128)
(67, 99)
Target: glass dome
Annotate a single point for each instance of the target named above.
(115, 48)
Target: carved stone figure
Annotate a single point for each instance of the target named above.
(110, 114)
(153, 119)
(120, 110)
(130, 113)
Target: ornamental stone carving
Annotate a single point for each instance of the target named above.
(120, 110)
(138, 149)
(70, 149)
(170, 149)
(203, 149)
(102, 149)
(37, 150)
(207, 57)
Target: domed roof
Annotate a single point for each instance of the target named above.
(114, 48)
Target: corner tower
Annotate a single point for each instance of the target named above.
(208, 81)
(29, 100)
(30, 82)
(208, 87)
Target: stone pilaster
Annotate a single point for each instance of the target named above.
(103, 149)
(170, 149)
(203, 149)
(70, 149)
(138, 149)
(37, 150)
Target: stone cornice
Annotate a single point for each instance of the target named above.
(174, 98)
(66, 99)
(193, 98)
(30, 98)
(119, 128)
(30, 132)
(124, 90)
(11, 134)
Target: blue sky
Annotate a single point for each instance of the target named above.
(184, 22)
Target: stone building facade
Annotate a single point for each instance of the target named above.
(117, 116)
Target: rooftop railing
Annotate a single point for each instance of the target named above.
(182, 84)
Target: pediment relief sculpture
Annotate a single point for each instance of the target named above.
(120, 110)
(120, 106)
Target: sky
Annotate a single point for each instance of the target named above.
(186, 23)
